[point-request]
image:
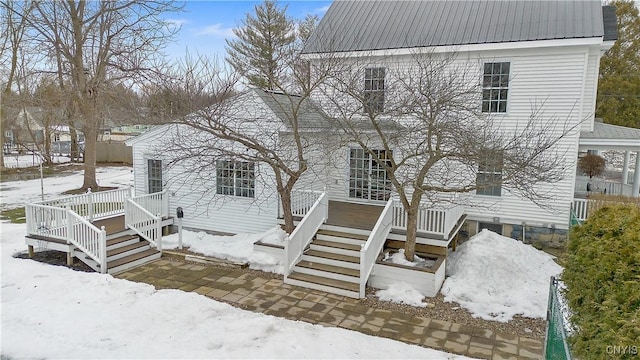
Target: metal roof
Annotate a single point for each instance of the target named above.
(376, 25)
(610, 137)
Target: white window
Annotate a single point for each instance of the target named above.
(489, 176)
(154, 175)
(495, 87)
(373, 95)
(235, 178)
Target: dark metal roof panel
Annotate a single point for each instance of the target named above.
(610, 23)
(375, 25)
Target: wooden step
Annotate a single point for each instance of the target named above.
(131, 258)
(338, 257)
(122, 249)
(345, 285)
(115, 242)
(329, 268)
(337, 245)
(342, 234)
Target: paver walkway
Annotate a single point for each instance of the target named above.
(273, 297)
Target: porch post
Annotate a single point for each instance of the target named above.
(636, 177)
(625, 167)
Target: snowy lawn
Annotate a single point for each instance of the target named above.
(233, 248)
(496, 277)
(23, 161)
(55, 312)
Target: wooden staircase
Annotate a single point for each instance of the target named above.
(331, 263)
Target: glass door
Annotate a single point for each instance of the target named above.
(367, 177)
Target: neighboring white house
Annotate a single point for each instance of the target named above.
(530, 53)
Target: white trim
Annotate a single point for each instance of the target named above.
(463, 48)
(609, 144)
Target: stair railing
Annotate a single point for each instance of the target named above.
(143, 223)
(303, 234)
(369, 251)
(92, 205)
(65, 224)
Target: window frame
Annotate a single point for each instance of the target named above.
(373, 94)
(235, 178)
(489, 175)
(495, 87)
(154, 175)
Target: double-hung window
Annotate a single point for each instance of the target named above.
(154, 175)
(495, 87)
(235, 178)
(489, 175)
(373, 95)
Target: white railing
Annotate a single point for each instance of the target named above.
(580, 208)
(430, 220)
(603, 186)
(370, 250)
(65, 224)
(144, 223)
(156, 203)
(304, 232)
(93, 205)
(303, 200)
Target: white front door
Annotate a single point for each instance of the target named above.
(367, 177)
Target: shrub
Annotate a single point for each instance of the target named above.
(602, 275)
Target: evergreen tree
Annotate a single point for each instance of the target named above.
(618, 99)
(265, 45)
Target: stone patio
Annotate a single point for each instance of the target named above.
(271, 296)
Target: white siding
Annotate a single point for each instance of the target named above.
(590, 89)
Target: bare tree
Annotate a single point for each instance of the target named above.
(92, 44)
(420, 121)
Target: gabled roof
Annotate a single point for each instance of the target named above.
(309, 116)
(378, 25)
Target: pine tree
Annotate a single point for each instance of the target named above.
(264, 47)
(618, 99)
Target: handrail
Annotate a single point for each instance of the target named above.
(155, 203)
(65, 224)
(143, 223)
(303, 234)
(303, 200)
(91, 205)
(370, 250)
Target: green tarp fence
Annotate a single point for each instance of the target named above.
(555, 346)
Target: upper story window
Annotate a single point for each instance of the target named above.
(495, 87)
(489, 176)
(154, 176)
(374, 90)
(235, 178)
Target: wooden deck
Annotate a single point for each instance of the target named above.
(352, 215)
(112, 224)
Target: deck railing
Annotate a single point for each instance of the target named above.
(304, 232)
(65, 224)
(93, 205)
(143, 223)
(430, 220)
(370, 250)
(603, 186)
(580, 208)
(303, 200)
(156, 203)
(583, 208)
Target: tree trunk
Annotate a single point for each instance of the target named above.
(90, 136)
(73, 149)
(285, 198)
(410, 243)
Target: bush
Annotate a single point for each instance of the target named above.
(602, 275)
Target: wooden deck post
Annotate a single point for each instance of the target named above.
(31, 252)
(70, 257)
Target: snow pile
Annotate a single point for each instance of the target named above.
(402, 292)
(496, 277)
(238, 248)
(400, 259)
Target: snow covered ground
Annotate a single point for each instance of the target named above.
(496, 277)
(22, 161)
(55, 312)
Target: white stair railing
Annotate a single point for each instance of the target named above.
(370, 250)
(143, 223)
(430, 220)
(65, 224)
(303, 200)
(156, 203)
(304, 232)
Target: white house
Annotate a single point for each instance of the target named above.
(523, 53)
